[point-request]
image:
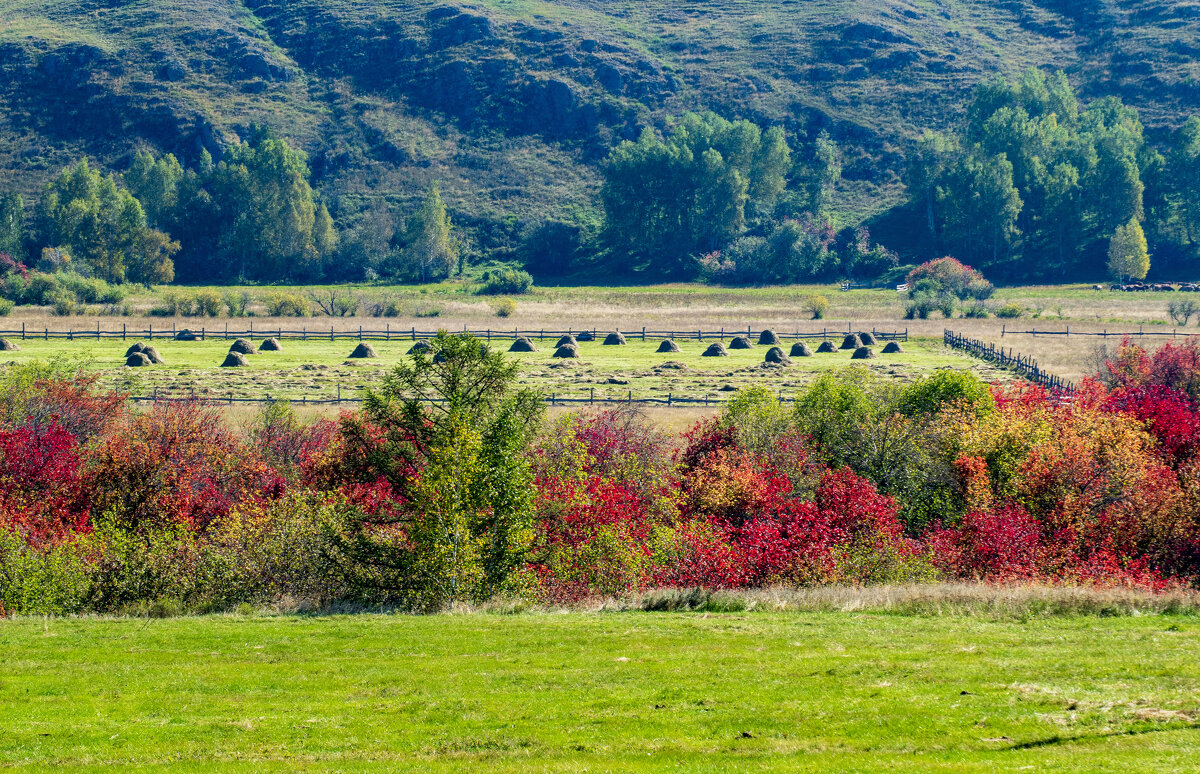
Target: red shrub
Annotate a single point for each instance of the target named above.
(1166, 412)
(176, 463)
(74, 404)
(41, 493)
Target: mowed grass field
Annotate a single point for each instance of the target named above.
(316, 369)
(602, 692)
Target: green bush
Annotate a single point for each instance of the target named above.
(175, 304)
(50, 581)
(63, 303)
(285, 305)
(40, 288)
(505, 307)
(932, 393)
(506, 282)
(6, 307)
(129, 568)
(208, 303)
(817, 306)
(236, 302)
(91, 290)
(1010, 311)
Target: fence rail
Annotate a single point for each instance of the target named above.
(1173, 333)
(1025, 366)
(412, 334)
(552, 399)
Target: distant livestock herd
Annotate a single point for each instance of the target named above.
(1157, 287)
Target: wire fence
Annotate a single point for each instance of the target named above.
(388, 333)
(1023, 365)
(1173, 333)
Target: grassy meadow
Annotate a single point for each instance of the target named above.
(603, 691)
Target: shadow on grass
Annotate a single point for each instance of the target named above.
(1060, 740)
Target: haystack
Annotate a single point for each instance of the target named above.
(421, 346)
(235, 360)
(893, 348)
(270, 345)
(522, 344)
(768, 338)
(9, 346)
(186, 335)
(152, 355)
(775, 355)
(868, 339)
(800, 349)
(363, 350)
(741, 342)
(567, 351)
(716, 349)
(139, 347)
(863, 353)
(137, 360)
(826, 346)
(851, 342)
(243, 346)
(669, 346)
(565, 340)
(614, 339)
(586, 336)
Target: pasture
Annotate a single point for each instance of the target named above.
(603, 691)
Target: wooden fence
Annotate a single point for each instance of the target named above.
(1173, 333)
(1025, 366)
(389, 333)
(553, 399)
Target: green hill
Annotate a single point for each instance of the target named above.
(511, 104)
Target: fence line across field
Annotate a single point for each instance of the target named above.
(553, 399)
(412, 334)
(1173, 333)
(1024, 365)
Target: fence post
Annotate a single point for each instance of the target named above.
(668, 400)
(592, 399)
(122, 331)
(643, 332)
(388, 335)
(22, 331)
(360, 333)
(97, 330)
(151, 326)
(202, 333)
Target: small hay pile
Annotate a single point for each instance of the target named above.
(863, 353)
(138, 347)
(586, 336)
(614, 339)
(800, 349)
(235, 360)
(522, 344)
(741, 342)
(137, 360)
(851, 342)
(363, 350)
(270, 345)
(567, 351)
(152, 355)
(826, 346)
(768, 338)
(776, 355)
(421, 347)
(716, 349)
(9, 346)
(669, 346)
(672, 365)
(186, 335)
(567, 340)
(868, 339)
(243, 347)
(893, 348)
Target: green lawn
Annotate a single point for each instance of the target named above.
(603, 692)
(315, 369)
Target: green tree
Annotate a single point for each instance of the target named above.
(102, 225)
(430, 249)
(669, 199)
(155, 184)
(454, 435)
(822, 174)
(12, 226)
(1128, 254)
(1184, 178)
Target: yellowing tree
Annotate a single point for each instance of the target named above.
(1128, 254)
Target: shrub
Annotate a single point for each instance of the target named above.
(950, 276)
(50, 579)
(932, 393)
(237, 302)
(285, 305)
(90, 290)
(1010, 311)
(506, 282)
(63, 303)
(384, 308)
(817, 306)
(505, 307)
(6, 307)
(1181, 312)
(208, 303)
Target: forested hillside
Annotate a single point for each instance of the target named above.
(512, 106)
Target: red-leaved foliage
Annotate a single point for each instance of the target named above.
(41, 491)
(74, 404)
(1167, 414)
(177, 463)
